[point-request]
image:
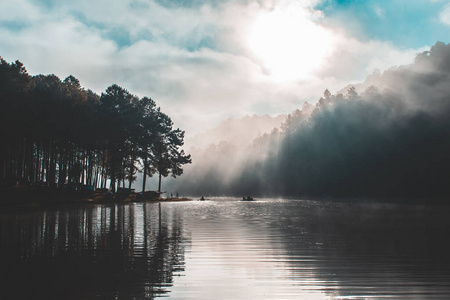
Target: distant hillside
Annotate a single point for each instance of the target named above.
(240, 132)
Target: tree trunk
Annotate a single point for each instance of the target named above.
(20, 159)
(112, 185)
(44, 162)
(38, 164)
(31, 162)
(145, 174)
(83, 166)
(130, 178)
(159, 183)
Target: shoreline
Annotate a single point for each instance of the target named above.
(37, 197)
(34, 196)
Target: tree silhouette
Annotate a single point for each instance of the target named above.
(167, 156)
(55, 132)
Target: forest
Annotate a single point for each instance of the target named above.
(56, 133)
(388, 137)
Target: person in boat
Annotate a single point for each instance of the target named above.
(202, 198)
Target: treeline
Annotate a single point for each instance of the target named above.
(388, 137)
(55, 132)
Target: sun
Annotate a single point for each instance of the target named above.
(289, 44)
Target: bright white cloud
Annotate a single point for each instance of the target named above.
(353, 59)
(288, 42)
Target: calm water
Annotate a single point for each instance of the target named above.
(226, 249)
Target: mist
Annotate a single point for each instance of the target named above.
(386, 137)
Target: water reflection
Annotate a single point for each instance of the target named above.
(111, 252)
(226, 249)
(279, 249)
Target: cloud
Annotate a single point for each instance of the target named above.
(379, 11)
(445, 15)
(353, 59)
(60, 47)
(193, 59)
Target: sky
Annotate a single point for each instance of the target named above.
(206, 61)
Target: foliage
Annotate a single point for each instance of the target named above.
(55, 132)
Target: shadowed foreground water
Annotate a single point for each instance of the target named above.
(226, 249)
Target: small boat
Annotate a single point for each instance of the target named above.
(248, 198)
(202, 199)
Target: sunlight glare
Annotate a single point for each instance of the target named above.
(289, 44)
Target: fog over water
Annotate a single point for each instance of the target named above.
(387, 137)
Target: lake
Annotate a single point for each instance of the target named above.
(226, 249)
